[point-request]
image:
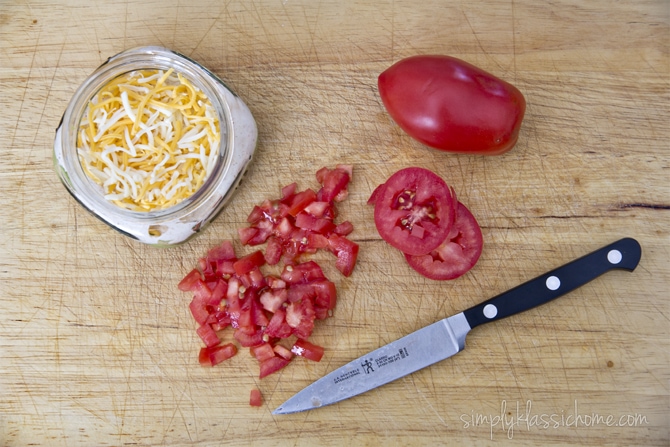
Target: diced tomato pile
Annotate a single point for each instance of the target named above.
(418, 213)
(303, 222)
(265, 309)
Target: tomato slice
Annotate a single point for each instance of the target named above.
(414, 211)
(457, 254)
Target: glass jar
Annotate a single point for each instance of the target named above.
(180, 222)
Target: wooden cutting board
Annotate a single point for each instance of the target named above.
(97, 346)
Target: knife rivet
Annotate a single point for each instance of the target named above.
(490, 311)
(553, 283)
(614, 256)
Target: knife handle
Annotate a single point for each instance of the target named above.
(622, 254)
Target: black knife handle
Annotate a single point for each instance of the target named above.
(622, 254)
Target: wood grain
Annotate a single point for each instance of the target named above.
(97, 346)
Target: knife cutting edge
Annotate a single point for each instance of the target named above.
(446, 337)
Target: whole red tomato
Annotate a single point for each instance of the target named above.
(449, 104)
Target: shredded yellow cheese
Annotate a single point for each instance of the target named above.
(150, 138)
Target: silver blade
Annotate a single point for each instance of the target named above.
(404, 356)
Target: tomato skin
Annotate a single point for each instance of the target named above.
(451, 105)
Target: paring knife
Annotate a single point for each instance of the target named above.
(445, 338)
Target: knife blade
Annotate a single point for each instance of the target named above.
(445, 338)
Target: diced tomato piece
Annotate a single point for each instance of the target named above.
(256, 278)
(334, 183)
(278, 327)
(273, 250)
(256, 214)
(217, 354)
(326, 294)
(344, 228)
(273, 299)
(219, 320)
(289, 190)
(264, 228)
(245, 319)
(207, 269)
(208, 335)
(275, 283)
(299, 201)
(316, 241)
(321, 313)
(233, 299)
(249, 262)
(283, 352)
(225, 268)
(300, 316)
(258, 316)
(321, 209)
(263, 351)
(246, 234)
(218, 292)
(201, 291)
(272, 365)
(321, 174)
(346, 252)
(223, 252)
(308, 350)
(248, 340)
(321, 292)
(302, 273)
(255, 398)
(317, 224)
(349, 169)
(189, 280)
(198, 310)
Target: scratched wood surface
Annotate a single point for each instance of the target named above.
(97, 346)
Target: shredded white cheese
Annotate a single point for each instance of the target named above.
(150, 138)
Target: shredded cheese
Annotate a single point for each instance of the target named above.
(150, 138)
